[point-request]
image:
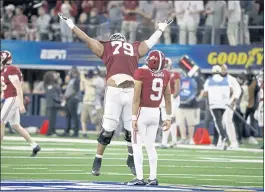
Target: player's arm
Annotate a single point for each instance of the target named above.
(94, 45)
(177, 88)
(136, 98)
(167, 96)
(14, 79)
(146, 45)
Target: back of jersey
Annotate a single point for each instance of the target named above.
(6, 85)
(120, 57)
(153, 86)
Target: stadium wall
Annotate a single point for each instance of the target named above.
(55, 55)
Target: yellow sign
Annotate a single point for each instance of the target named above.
(254, 56)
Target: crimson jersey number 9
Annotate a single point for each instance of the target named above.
(157, 87)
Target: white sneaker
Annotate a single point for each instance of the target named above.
(233, 146)
(191, 142)
(253, 141)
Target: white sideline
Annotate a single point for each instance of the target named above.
(120, 143)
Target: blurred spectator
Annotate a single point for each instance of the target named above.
(241, 106)
(67, 9)
(129, 23)
(31, 29)
(43, 22)
(66, 81)
(53, 99)
(19, 23)
(87, 6)
(6, 21)
(146, 12)
(26, 87)
(93, 22)
(163, 10)
(215, 12)
(83, 22)
(246, 7)
(189, 22)
(54, 27)
(115, 15)
(71, 96)
(87, 85)
(253, 90)
(189, 111)
(234, 16)
(100, 91)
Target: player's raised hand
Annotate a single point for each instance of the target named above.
(67, 20)
(22, 109)
(135, 125)
(163, 25)
(166, 125)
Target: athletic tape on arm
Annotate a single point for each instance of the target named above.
(153, 39)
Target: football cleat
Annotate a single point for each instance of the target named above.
(96, 166)
(35, 151)
(130, 164)
(136, 182)
(152, 182)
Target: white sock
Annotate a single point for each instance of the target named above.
(173, 131)
(165, 135)
(99, 156)
(33, 144)
(138, 159)
(152, 155)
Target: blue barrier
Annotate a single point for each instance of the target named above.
(54, 55)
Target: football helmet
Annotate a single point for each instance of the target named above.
(168, 63)
(117, 37)
(6, 58)
(155, 61)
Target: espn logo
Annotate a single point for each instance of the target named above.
(53, 54)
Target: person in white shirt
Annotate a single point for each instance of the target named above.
(234, 16)
(218, 90)
(228, 115)
(67, 35)
(188, 18)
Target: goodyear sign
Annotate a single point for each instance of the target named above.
(55, 55)
(237, 58)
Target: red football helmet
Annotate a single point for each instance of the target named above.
(6, 58)
(168, 64)
(155, 61)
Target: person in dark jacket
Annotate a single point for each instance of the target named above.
(72, 99)
(53, 99)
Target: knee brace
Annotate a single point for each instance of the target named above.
(104, 137)
(127, 136)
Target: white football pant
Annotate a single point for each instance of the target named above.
(229, 126)
(10, 111)
(118, 104)
(148, 122)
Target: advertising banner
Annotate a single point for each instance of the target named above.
(55, 55)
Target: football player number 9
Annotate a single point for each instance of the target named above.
(128, 48)
(157, 87)
(3, 85)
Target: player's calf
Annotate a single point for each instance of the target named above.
(104, 139)
(130, 160)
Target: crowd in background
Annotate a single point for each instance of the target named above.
(195, 21)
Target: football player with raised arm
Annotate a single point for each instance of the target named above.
(11, 89)
(152, 83)
(121, 60)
